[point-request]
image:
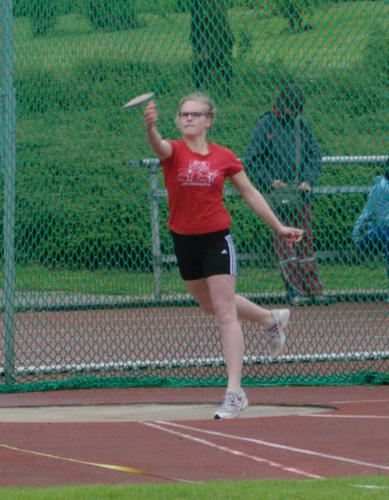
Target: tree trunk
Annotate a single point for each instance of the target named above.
(212, 42)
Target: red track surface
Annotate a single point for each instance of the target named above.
(352, 439)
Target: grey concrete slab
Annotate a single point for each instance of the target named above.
(140, 412)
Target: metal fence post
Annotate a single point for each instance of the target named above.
(155, 230)
(8, 124)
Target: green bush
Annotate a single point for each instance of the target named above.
(111, 15)
(43, 15)
(81, 205)
(20, 8)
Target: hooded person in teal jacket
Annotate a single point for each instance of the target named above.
(282, 154)
(371, 229)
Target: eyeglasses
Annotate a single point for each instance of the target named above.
(193, 114)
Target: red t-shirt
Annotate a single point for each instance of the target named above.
(194, 183)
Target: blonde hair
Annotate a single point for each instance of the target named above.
(204, 99)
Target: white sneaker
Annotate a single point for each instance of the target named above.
(277, 331)
(232, 406)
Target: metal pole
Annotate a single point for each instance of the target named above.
(8, 167)
(155, 233)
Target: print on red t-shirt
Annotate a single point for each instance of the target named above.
(194, 183)
(198, 173)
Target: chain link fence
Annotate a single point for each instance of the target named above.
(91, 294)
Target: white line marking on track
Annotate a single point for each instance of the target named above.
(346, 416)
(271, 463)
(281, 446)
(361, 401)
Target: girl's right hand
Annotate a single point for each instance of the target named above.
(151, 114)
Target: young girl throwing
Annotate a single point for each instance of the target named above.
(194, 172)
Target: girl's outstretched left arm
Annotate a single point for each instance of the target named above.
(260, 206)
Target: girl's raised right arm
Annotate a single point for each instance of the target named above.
(161, 148)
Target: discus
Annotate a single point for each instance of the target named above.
(139, 99)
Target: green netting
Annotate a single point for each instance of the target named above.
(91, 294)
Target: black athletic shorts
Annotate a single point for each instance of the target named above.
(204, 255)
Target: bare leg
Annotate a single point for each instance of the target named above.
(222, 292)
(249, 311)
(246, 309)
(216, 296)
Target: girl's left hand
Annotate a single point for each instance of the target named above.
(292, 234)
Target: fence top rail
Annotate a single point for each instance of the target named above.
(324, 160)
(154, 162)
(355, 159)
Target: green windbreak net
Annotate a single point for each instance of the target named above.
(91, 295)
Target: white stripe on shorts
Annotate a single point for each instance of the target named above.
(231, 251)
